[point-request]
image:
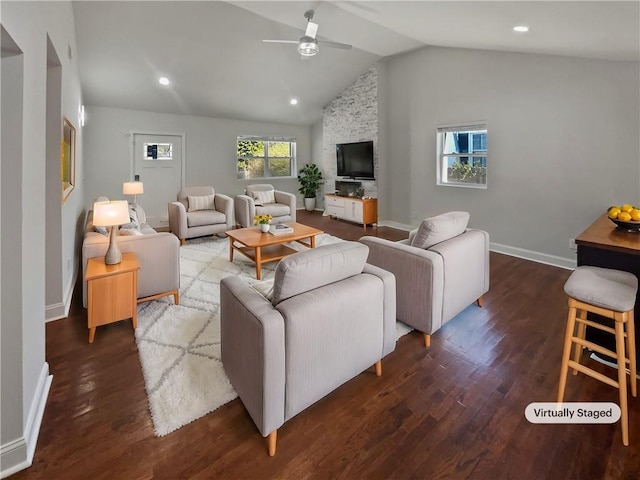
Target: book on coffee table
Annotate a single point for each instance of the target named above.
(280, 229)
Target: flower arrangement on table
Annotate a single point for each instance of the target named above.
(263, 222)
(262, 219)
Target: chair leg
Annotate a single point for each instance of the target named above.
(622, 378)
(577, 353)
(182, 241)
(271, 442)
(427, 340)
(479, 301)
(378, 368)
(631, 350)
(176, 297)
(566, 352)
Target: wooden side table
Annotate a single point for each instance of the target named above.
(112, 292)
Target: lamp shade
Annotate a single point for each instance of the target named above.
(132, 188)
(107, 214)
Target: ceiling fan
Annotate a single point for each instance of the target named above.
(308, 43)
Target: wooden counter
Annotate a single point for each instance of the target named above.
(604, 234)
(603, 244)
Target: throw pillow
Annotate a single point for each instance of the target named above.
(133, 219)
(267, 196)
(204, 202)
(101, 230)
(130, 231)
(440, 228)
(140, 214)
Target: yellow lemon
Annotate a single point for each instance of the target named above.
(613, 212)
(626, 208)
(624, 216)
(635, 214)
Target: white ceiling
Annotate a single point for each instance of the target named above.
(219, 67)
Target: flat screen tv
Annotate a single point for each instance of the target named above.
(355, 160)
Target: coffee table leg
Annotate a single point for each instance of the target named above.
(230, 249)
(258, 262)
(313, 241)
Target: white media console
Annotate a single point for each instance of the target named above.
(352, 209)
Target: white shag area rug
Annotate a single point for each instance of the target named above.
(179, 345)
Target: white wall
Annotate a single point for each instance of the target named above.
(563, 141)
(210, 149)
(23, 343)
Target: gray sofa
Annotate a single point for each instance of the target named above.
(329, 317)
(157, 253)
(441, 269)
(282, 207)
(213, 215)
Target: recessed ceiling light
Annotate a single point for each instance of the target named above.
(164, 81)
(293, 101)
(521, 28)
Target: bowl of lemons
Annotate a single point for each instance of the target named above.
(626, 217)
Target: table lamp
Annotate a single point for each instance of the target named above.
(111, 214)
(133, 188)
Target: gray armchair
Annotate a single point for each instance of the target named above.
(200, 211)
(442, 268)
(280, 205)
(329, 317)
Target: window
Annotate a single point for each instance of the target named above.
(157, 151)
(266, 157)
(462, 155)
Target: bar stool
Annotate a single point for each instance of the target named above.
(612, 294)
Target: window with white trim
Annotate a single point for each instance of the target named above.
(462, 155)
(266, 157)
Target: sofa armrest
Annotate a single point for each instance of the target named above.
(419, 281)
(389, 300)
(288, 199)
(157, 253)
(178, 219)
(253, 353)
(245, 209)
(224, 204)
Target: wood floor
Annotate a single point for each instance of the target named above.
(454, 411)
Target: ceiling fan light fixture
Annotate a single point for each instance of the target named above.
(308, 47)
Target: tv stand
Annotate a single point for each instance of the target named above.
(352, 209)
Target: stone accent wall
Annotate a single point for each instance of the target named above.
(351, 117)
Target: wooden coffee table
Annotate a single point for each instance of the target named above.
(266, 247)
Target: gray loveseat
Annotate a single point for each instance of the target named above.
(330, 316)
(157, 253)
(441, 269)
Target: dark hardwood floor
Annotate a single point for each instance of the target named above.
(454, 411)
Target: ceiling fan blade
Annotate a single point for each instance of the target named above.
(280, 41)
(343, 46)
(312, 30)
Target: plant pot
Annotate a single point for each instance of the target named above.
(310, 204)
(264, 227)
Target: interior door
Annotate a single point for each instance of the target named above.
(157, 159)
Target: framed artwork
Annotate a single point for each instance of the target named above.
(68, 158)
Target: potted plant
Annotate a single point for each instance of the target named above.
(309, 178)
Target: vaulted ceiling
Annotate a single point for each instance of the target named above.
(213, 53)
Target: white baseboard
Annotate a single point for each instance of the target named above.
(396, 225)
(545, 258)
(18, 454)
(61, 310)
